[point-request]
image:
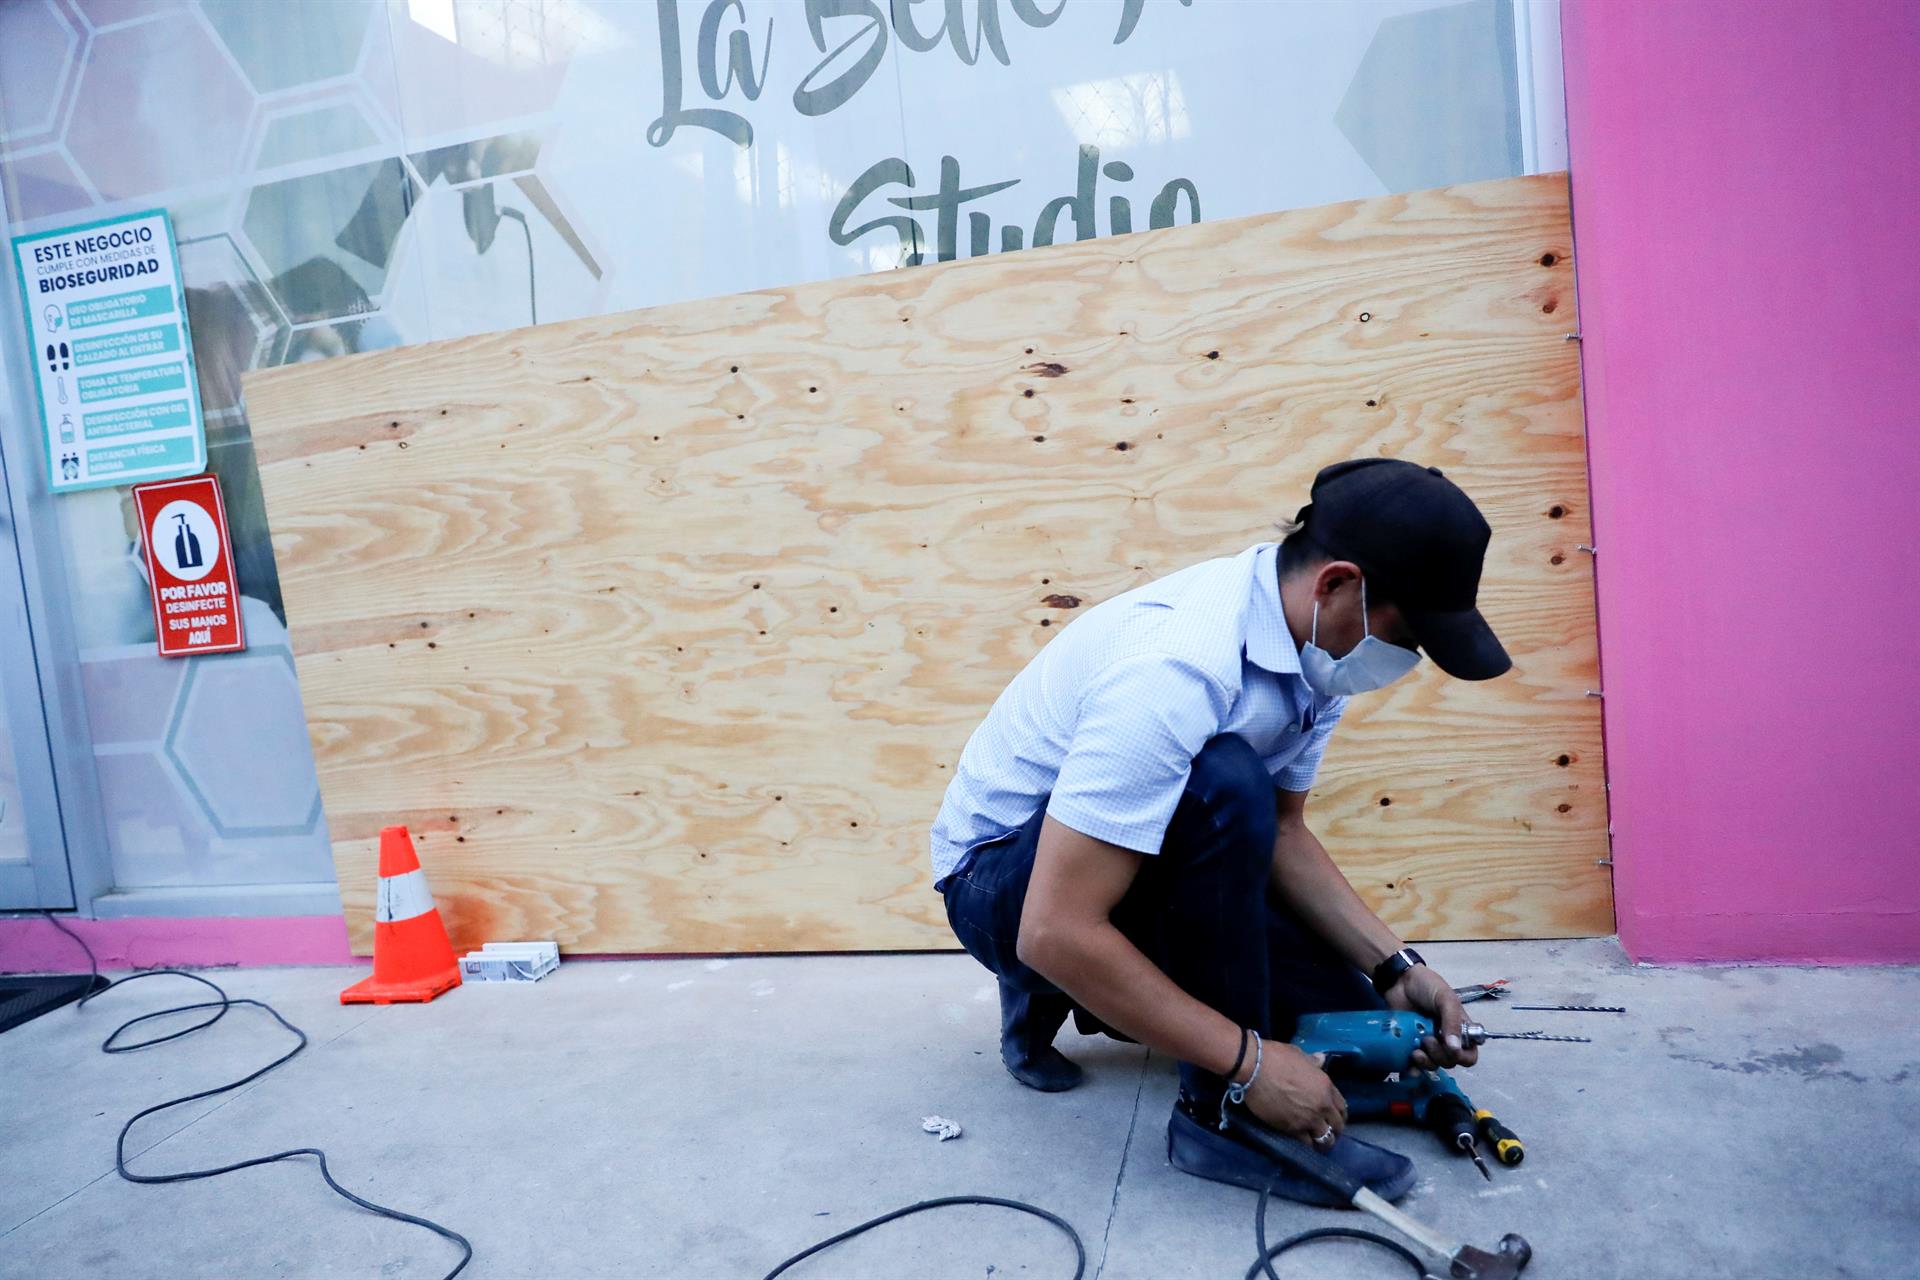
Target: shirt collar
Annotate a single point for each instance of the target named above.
(1269, 643)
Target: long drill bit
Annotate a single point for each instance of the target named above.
(1474, 1033)
(1534, 1035)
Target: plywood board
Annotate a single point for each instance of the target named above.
(664, 631)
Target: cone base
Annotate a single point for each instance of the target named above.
(418, 991)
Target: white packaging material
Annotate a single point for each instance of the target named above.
(947, 1129)
(510, 962)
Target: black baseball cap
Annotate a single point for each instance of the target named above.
(1421, 542)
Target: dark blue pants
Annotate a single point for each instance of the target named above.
(1200, 910)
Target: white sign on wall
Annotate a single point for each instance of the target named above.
(112, 357)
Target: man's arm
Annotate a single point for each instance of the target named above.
(1067, 935)
(1306, 879)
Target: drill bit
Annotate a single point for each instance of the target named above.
(1474, 1033)
(1570, 1008)
(1533, 1035)
(1466, 1143)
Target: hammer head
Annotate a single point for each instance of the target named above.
(1514, 1254)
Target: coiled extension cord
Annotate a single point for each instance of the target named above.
(220, 1006)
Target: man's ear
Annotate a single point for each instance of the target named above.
(1334, 577)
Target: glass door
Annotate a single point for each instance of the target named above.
(33, 852)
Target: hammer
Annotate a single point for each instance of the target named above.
(1464, 1262)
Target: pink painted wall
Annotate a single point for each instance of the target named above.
(1745, 180)
(28, 944)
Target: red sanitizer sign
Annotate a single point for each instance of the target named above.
(196, 598)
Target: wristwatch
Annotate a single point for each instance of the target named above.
(1389, 971)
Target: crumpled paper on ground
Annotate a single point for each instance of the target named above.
(940, 1125)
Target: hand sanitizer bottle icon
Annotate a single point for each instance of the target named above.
(66, 429)
(186, 547)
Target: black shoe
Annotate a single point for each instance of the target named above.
(1027, 1026)
(1196, 1146)
(1088, 1025)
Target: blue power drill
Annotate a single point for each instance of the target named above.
(1365, 1048)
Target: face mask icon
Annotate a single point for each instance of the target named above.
(53, 318)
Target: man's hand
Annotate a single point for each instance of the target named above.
(1293, 1095)
(1306, 880)
(1421, 990)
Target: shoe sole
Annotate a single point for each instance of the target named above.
(1192, 1153)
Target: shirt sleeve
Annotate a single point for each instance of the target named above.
(1141, 722)
(1298, 773)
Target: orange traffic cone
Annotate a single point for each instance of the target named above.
(412, 958)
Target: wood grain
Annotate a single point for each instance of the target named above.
(663, 631)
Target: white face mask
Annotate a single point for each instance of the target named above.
(1373, 663)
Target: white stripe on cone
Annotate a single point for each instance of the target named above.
(403, 897)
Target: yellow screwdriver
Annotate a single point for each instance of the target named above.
(1504, 1142)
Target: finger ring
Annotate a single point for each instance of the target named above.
(1325, 1137)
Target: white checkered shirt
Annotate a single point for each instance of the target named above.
(1107, 718)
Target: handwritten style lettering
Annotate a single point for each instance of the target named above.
(863, 29)
(946, 203)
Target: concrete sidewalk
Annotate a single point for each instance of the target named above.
(708, 1118)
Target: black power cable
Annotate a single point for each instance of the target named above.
(1079, 1249)
(1265, 1261)
(220, 1008)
